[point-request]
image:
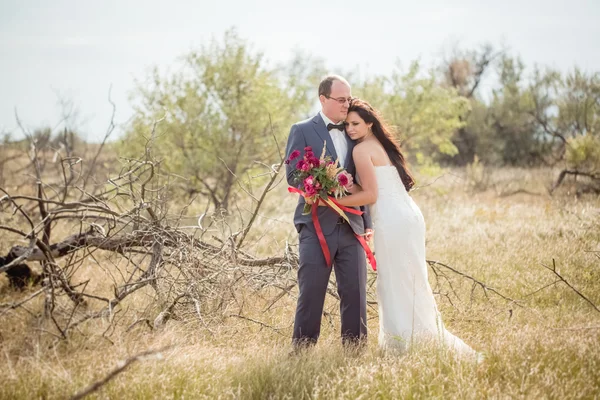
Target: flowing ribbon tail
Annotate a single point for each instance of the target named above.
(344, 208)
(368, 252)
(319, 231)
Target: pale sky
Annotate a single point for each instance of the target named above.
(76, 50)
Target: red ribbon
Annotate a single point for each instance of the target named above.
(319, 231)
(320, 235)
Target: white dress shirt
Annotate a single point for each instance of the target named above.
(339, 140)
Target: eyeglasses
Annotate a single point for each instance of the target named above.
(341, 100)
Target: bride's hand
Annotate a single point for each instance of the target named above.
(353, 188)
(310, 201)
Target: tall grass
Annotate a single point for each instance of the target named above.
(544, 346)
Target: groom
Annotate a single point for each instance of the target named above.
(348, 256)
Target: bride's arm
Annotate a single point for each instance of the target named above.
(366, 170)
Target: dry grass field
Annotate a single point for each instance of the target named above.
(541, 338)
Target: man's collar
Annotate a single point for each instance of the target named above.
(327, 120)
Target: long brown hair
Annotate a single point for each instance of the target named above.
(385, 135)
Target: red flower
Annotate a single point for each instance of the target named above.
(295, 154)
(300, 165)
(308, 149)
(314, 161)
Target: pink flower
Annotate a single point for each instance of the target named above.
(309, 190)
(322, 163)
(344, 178)
(309, 186)
(295, 154)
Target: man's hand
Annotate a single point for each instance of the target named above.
(368, 234)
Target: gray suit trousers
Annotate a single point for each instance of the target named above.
(349, 264)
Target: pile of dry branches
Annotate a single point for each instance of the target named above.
(124, 224)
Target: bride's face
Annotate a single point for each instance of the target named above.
(356, 127)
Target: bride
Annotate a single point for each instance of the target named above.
(407, 308)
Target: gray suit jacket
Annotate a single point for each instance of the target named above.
(314, 133)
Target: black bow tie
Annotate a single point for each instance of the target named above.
(332, 126)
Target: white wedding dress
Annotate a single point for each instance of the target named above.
(407, 308)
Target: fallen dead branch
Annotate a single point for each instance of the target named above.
(476, 283)
(573, 288)
(595, 177)
(262, 324)
(12, 306)
(112, 374)
(519, 191)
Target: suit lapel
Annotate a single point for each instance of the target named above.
(323, 133)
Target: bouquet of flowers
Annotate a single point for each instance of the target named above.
(319, 178)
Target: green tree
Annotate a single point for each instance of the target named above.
(503, 131)
(425, 113)
(565, 107)
(514, 132)
(567, 112)
(464, 71)
(219, 114)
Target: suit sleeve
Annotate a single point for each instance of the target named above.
(296, 141)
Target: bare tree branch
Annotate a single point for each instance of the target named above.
(112, 374)
(562, 279)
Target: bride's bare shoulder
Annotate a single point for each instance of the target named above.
(363, 148)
